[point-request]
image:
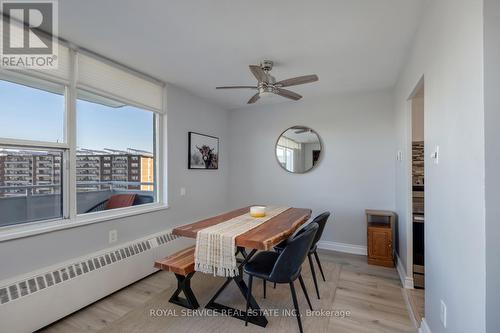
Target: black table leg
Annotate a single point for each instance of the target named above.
(243, 254)
(259, 320)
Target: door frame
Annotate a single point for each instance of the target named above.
(409, 153)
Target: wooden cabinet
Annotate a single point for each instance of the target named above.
(381, 237)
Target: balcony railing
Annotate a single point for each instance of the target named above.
(30, 190)
(44, 202)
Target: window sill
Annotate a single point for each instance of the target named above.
(36, 228)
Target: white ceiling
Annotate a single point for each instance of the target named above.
(304, 137)
(353, 45)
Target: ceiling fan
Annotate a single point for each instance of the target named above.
(267, 85)
(300, 129)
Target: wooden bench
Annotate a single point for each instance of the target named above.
(181, 264)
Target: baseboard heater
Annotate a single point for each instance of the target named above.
(32, 301)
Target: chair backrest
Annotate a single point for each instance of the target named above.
(120, 201)
(294, 254)
(321, 220)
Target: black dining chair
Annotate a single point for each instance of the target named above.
(321, 221)
(283, 267)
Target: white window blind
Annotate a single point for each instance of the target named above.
(60, 74)
(98, 76)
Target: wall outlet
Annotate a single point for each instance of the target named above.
(442, 315)
(113, 236)
(183, 191)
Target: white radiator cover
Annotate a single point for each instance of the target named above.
(32, 301)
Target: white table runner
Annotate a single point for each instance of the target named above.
(215, 251)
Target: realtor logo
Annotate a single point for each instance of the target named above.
(27, 34)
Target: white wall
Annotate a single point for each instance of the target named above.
(355, 171)
(448, 50)
(492, 152)
(206, 195)
(417, 119)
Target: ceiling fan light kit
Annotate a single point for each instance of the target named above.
(267, 85)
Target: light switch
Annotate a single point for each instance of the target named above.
(183, 191)
(435, 155)
(399, 156)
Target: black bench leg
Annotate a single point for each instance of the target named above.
(184, 285)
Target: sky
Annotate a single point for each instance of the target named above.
(32, 114)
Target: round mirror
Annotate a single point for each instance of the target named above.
(298, 149)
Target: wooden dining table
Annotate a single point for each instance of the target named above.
(263, 237)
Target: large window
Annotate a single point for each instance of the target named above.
(76, 145)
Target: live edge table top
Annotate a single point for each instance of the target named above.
(262, 237)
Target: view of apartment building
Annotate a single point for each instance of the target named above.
(96, 170)
(28, 173)
(24, 172)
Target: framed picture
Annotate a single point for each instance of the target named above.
(203, 151)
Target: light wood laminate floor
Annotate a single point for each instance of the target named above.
(372, 295)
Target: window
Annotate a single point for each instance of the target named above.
(116, 136)
(30, 178)
(66, 151)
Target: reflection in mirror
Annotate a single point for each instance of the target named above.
(298, 149)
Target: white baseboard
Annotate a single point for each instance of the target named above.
(424, 328)
(343, 247)
(406, 281)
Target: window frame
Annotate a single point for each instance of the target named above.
(70, 218)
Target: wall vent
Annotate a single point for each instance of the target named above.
(45, 280)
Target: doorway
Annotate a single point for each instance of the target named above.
(417, 217)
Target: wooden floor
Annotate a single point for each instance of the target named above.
(371, 295)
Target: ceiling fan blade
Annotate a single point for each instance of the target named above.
(258, 72)
(297, 80)
(236, 87)
(288, 94)
(254, 98)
